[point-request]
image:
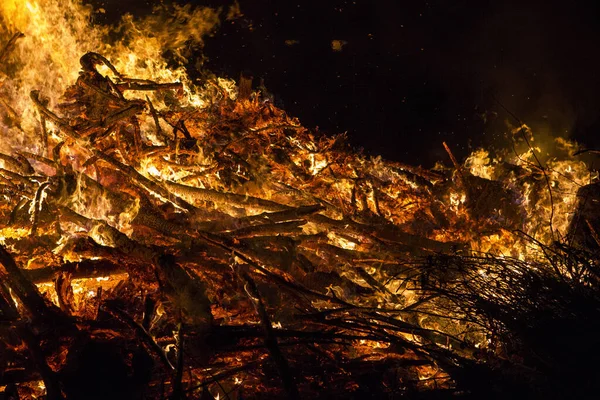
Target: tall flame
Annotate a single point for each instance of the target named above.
(58, 32)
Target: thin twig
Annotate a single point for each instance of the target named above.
(542, 168)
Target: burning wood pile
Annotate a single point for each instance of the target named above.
(224, 251)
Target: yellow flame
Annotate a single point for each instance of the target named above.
(58, 32)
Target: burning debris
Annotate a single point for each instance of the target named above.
(157, 247)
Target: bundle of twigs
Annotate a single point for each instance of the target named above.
(541, 319)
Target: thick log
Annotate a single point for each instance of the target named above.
(194, 194)
(85, 269)
(150, 86)
(290, 228)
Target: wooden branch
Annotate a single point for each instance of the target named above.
(10, 46)
(130, 110)
(270, 338)
(141, 332)
(37, 207)
(290, 228)
(145, 182)
(280, 216)
(178, 393)
(50, 378)
(55, 119)
(8, 310)
(152, 86)
(113, 97)
(16, 165)
(159, 131)
(85, 269)
(200, 194)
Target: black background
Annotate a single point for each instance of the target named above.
(416, 73)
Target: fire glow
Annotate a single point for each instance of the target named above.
(213, 236)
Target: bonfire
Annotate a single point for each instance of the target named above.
(162, 238)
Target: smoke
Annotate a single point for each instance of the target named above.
(517, 59)
(522, 73)
(160, 44)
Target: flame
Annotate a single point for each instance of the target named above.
(47, 58)
(479, 164)
(538, 197)
(548, 191)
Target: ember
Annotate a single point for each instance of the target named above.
(168, 239)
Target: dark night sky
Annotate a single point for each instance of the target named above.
(416, 73)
